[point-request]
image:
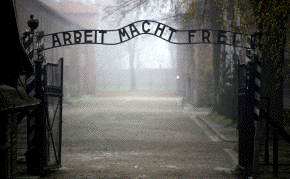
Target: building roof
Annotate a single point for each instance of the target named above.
(76, 12)
(70, 7)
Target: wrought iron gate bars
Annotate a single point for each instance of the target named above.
(53, 90)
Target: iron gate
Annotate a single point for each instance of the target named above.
(53, 94)
(44, 150)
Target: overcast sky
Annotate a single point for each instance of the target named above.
(150, 51)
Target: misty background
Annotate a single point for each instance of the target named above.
(153, 64)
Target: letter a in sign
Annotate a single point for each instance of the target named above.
(55, 39)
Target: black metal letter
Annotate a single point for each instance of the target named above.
(66, 38)
(96, 36)
(55, 39)
(205, 35)
(191, 34)
(221, 34)
(102, 32)
(77, 37)
(133, 29)
(171, 33)
(122, 34)
(159, 28)
(88, 33)
(143, 27)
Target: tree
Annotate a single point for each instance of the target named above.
(120, 10)
(271, 20)
(123, 8)
(269, 17)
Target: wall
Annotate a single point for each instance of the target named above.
(79, 60)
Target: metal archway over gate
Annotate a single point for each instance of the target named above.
(145, 27)
(45, 141)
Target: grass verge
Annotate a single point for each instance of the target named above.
(218, 118)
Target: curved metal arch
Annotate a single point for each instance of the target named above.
(147, 27)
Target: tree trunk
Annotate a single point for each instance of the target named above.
(216, 24)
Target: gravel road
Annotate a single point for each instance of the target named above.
(139, 137)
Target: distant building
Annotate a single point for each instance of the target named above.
(79, 61)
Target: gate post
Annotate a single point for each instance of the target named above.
(242, 107)
(249, 111)
(246, 120)
(36, 155)
(36, 125)
(41, 116)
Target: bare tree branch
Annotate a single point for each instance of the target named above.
(123, 8)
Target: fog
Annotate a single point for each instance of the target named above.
(132, 102)
(153, 65)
